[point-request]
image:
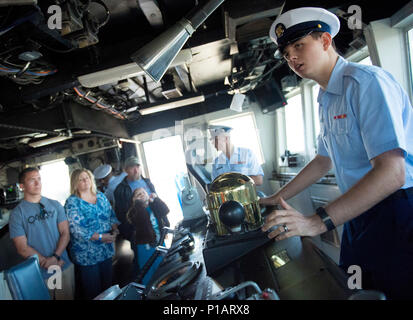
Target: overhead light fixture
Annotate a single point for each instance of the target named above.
(61, 137)
(45, 142)
(156, 57)
(6, 3)
(172, 104)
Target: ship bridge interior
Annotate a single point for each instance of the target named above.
(85, 83)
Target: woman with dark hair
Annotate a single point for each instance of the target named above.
(93, 229)
(148, 216)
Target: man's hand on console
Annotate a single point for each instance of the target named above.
(288, 222)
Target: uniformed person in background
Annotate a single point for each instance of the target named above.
(232, 158)
(366, 122)
(104, 175)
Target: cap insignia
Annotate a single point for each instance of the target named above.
(279, 30)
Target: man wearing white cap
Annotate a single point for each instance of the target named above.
(104, 174)
(366, 130)
(232, 158)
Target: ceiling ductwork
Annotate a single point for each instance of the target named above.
(106, 93)
(150, 9)
(156, 57)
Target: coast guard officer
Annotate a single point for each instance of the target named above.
(366, 134)
(104, 174)
(232, 158)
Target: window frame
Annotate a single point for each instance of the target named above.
(409, 54)
(403, 20)
(282, 132)
(314, 109)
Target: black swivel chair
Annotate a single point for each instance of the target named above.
(25, 281)
(197, 169)
(200, 174)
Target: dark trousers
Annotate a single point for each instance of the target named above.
(94, 279)
(127, 232)
(380, 241)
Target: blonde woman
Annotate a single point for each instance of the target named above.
(93, 229)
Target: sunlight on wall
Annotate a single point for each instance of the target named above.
(55, 181)
(294, 125)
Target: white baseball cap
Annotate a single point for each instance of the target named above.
(218, 130)
(102, 171)
(297, 23)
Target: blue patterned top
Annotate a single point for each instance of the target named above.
(84, 220)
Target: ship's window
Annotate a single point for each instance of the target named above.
(410, 48)
(290, 128)
(366, 61)
(244, 134)
(55, 181)
(294, 125)
(166, 166)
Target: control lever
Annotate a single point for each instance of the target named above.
(267, 294)
(164, 232)
(266, 210)
(182, 232)
(182, 248)
(110, 293)
(160, 250)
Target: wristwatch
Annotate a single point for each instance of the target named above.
(321, 212)
(100, 237)
(56, 256)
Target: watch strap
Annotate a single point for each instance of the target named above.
(321, 212)
(56, 256)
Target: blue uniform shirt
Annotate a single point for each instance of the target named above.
(113, 183)
(242, 161)
(363, 113)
